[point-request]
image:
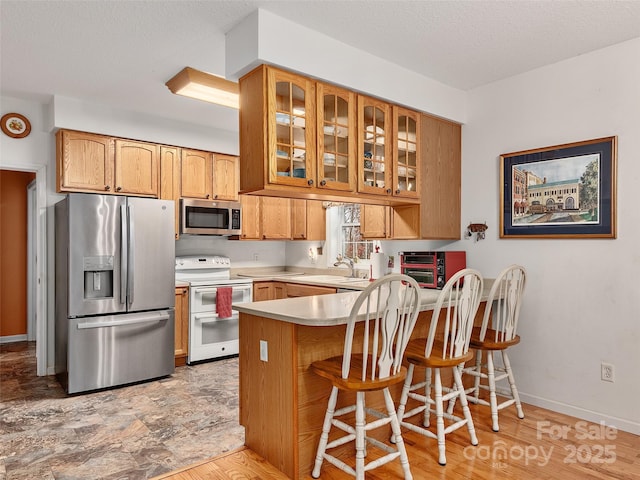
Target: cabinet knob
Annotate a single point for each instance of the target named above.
(323, 183)
(397, 191)
(118, 189)
(215, 196)
(388, 191)
(310, 181)
(208, 196)
(107, 187)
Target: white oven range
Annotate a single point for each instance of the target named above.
(211, 336)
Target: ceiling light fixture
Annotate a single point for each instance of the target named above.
(205, 86)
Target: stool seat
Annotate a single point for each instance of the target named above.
(488, 343)
(331, 369)
(437, 359)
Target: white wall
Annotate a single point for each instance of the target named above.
(258, 39)
(580, 307)
(241, 253)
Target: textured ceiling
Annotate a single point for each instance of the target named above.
(121, 53)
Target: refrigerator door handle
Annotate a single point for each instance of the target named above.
(124, 253)
(131, 246)
(117, 323)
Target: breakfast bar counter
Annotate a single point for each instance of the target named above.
(282, 403)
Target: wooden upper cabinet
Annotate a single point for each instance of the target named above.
(250, 205)
(84, 162)
(275, 218)
(226, 177)
(440, 195)
(374, 146)
(405, 222)
(316, 220)
(196, 174)
(336, 110)
(136, 167)
(399, 222)
(308, 220)
(291, 128)
(299, 219)
(170, 180)
(277, 130)
(96, 163)
(374, 221)
(406, 153)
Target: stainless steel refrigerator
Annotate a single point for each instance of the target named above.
(115, 290)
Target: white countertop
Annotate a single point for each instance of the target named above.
(327, 310)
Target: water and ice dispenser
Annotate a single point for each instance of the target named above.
(98, 276)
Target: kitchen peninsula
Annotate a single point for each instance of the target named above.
(282, 403)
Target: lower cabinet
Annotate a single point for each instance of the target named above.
(298, 290)
(182, 326)
(269, 290)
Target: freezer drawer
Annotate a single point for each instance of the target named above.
(113, 350)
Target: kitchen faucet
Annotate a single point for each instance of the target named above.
(345, 261)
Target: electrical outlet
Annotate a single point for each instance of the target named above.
(264, 351)
(607, 372)
(255, 257)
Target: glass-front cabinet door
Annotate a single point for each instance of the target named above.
(291, 129)
(406, 155)
(336, 138)
(374, 146)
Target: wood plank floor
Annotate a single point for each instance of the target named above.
(543, 445)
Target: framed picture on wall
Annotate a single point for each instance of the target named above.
(563, 191)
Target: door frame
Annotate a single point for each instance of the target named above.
(32, 259)
(41, 283)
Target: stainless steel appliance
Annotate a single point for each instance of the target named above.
(211, 335)
(209, 217)
(114, 290)
(432, 269)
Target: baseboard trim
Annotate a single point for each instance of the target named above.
(13, 338)
(582, 413)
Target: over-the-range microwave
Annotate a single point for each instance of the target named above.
(209, 217)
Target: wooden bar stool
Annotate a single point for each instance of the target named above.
(444, 348)
(497, 334)
(386, 312)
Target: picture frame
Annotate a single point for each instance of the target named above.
(15, 125)
(562, 191)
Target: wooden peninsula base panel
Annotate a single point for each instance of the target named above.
(282, 403)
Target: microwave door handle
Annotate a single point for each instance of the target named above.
(124, 253)
(132, 247)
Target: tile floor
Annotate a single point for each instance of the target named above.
(134, 432)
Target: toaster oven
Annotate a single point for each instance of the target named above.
(432, 269)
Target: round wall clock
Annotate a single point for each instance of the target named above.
(15, 125)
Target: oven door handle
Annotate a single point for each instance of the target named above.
(209, 317)
(201, 290)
